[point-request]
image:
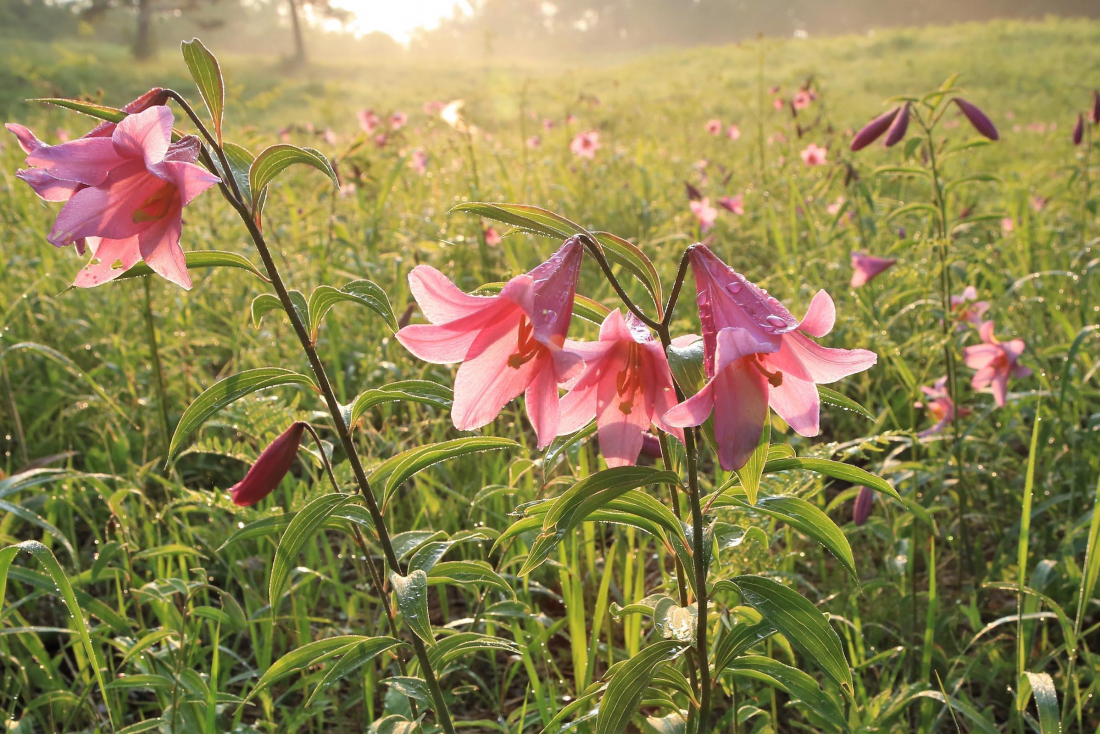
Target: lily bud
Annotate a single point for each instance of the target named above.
(864, 502)
(873, 130)
(270, 468)
(898, 128)
(978, 119)
(1079, 129)
(1095, 116)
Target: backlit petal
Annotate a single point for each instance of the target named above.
(541, 399)
(820, 316)
(85, 160)
(486, 383)
(439, 299)
(740, 409)
(125, 253)
(160, 248)
(826, 365)
(146, 134)
(797, 402)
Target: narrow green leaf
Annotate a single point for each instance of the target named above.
(229, 390)
(424, 392)
(208, 78)
(832, 397)
(738, 640)
(277, 158)
(306, 522)
(98, 111)
(624, 693)
(390, 474)
(797, 684)
(834, 469)
(362, 292)
(46, 558)
(750, 473)
(412, 599)
(352, 659)
(800, 622)
(1041, 685)
(807, 518)
(198, 259)
(462, 573)
(305, 657)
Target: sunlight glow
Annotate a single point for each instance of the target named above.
(399, 18)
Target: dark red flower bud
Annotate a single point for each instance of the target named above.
(864, 501)
(978, 119)
(1079, 129)
(898, 128)
(1095, 107)
(873, 130)
(270, 468)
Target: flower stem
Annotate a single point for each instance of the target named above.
(158, 372)
(342, 429)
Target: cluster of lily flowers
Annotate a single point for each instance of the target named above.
(756, 355)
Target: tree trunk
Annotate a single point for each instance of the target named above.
(299, 42)
(143, 41)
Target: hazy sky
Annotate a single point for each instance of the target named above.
(399, 18)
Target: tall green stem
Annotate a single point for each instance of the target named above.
(158, 371)
(943, 243)
(233, 196)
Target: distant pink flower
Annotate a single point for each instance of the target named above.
(369, 121)
(508, 344)
(398, 120)
(284, 135)
(735, 204)
(585, 145)
(966, 308)
(534, 141)
(813, 155)
(329, 136)
(801, 99)
(940, 406)
(1038, 203)
(757, 354)
(492, 237)
(704, 212)
(626, 386)
(714, 126)
(867, 267)
(834, 208)
(774, 90)
(548, 124)
(778, 103)
(124, 194)
(779, 138)
(1007, 225)
(995, 362)
(570, 119)
(62, 135)
(733, 132)
(433, 107)
(271, 466)
(381, 139)
(418, 160)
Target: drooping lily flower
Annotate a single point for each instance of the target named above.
(874, 129)
(866, 267)
(626, 386)
(967, 309)
(995, 362)
(898, 127)
(814, 155)
(757, 354)
(940, 406)
(978, 119)
(270, 467)
(129, 191)
(508, 344)
(51, 188)
(704, 212)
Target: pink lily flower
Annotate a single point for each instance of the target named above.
(398, 120)
(714, 127)
(534, 141)
(964, 313)
(53, 188)
(129, 191)
(585, 145)
(368, 120)
(626, 386)
(1007, 225)
(508, 344)
(704, 212)
(995, 362)
(866, 267)
(940, 406)
(814, 155)
(734, 204)
(801, 100)
(778, 104)
(733, 132)
(757, 354)
(271, 466)
(492, 237)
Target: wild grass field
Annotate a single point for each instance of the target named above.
(140, 597)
